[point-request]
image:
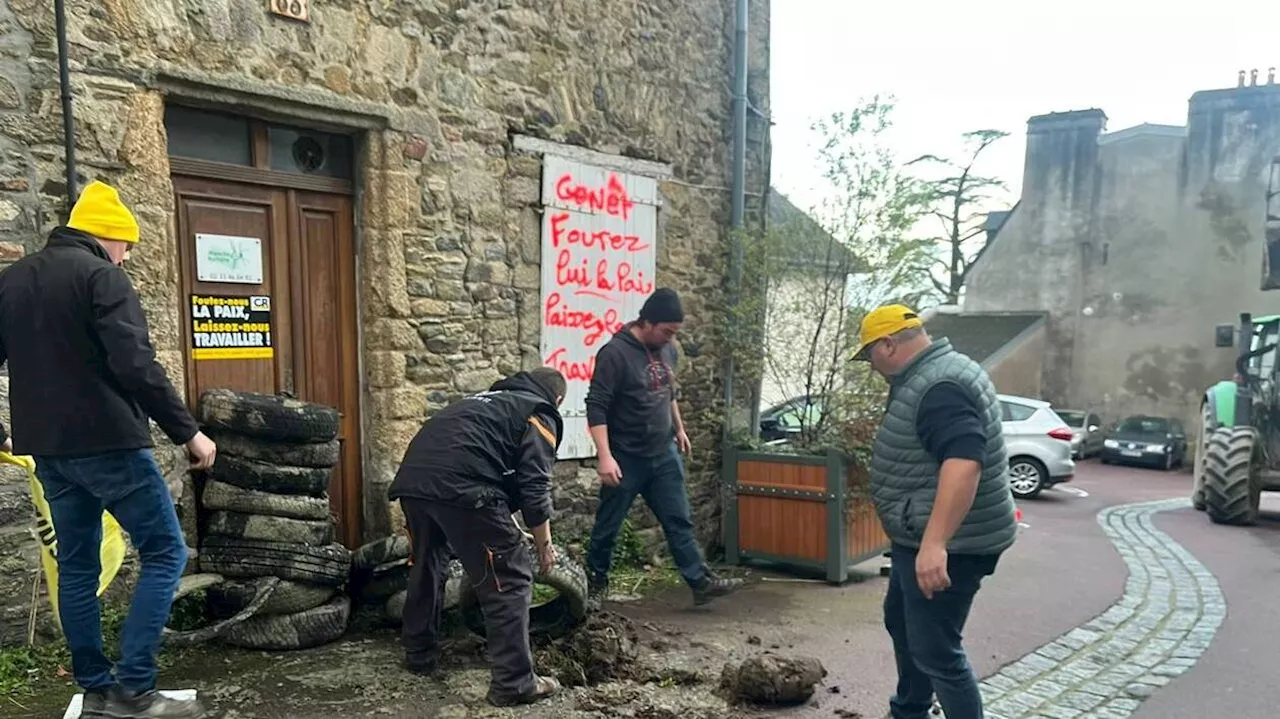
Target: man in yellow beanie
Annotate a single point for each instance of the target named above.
(84, 382)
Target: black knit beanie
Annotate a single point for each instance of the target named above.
(662, 306)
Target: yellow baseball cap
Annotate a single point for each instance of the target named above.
(882, 322)
(99, 212)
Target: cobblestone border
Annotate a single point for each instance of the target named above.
(1171, 608)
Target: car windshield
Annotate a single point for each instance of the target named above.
(1145, 425)
(1073, 419)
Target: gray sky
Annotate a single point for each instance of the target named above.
(991, 64)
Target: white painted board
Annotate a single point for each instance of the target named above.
(599, 237)
(228, 258)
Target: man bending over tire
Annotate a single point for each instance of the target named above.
(84, 381)
(636, 426)
(469, 467)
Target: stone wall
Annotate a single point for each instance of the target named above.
(447, 222)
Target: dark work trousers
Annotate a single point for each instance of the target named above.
(660, 480)
(497, 562)
(927, 636)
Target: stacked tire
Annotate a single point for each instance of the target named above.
(380, 577)
(266, 521)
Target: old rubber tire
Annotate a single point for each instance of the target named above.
(275, 479)
(302, 630)
(248, 559)
(394, 608)
(220, 495)
(231, 597)
(382, 582)
(552, 618)
(322, 455)
(1027, 477)
(194, 582)
(379, 552)
(269, 417)
(1232, 487)
(271, 529)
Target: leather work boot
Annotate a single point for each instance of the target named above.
(93, 704)
(543, 688)
(712, 586)
(121, 704)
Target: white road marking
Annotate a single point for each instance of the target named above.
(1074, 490)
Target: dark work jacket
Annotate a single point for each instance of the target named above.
(83, 375)
(493, 447)
(631, 392)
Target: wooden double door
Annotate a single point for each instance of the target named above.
(279, 263)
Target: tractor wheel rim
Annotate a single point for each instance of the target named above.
(1024, 477)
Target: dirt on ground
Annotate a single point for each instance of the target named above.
(612, 666)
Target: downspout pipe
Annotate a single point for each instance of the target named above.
(68, 118)
(738, 186)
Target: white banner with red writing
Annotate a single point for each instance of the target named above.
(599, 230)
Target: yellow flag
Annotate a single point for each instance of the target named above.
(113, 547)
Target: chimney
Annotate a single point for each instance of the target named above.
(1062, 153)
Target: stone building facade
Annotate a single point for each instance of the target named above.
(444, 111)
(1137, 243)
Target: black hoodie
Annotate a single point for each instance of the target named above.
(631, 392)
(492, 447)
(84, 377)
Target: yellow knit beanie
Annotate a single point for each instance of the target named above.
(99, 212)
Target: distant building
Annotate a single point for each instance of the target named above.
(1136, 243)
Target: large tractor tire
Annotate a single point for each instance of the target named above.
(1207, 425)
(274, 418)
(552, 618)
(284, 632)
(1232, 486)
(250, 559)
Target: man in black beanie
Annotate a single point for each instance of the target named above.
(636, 426)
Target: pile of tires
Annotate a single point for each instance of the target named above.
(380, 577)
(266, 521)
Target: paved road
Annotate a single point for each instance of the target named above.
(1146, 582)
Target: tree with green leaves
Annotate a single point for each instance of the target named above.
(958, 200)
(810, 276)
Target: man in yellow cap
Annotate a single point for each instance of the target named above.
(939, 480)
(84, 382)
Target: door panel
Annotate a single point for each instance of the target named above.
(325, 327)
(216, 208)
(309, 274)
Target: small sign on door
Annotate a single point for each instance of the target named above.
(231, 327)
(228, 258)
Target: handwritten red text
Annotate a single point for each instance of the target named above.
(612, 199)
(557, 314)
(600, 239)
(580, 371)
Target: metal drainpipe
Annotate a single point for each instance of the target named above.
(738, 207)
(68, 119)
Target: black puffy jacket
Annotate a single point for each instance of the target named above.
(494, 446)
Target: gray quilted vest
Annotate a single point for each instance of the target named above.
(904, 476)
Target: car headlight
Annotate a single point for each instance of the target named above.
(1111, 443)
(1155, 448)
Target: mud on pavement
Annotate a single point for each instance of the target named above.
(611, 667)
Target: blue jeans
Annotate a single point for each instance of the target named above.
(927, 636)
(129, 485)
(660, 480)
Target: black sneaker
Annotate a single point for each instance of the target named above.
(421, 667)
(597, 591)
(93, 705)
(712, 586)
(121, 704)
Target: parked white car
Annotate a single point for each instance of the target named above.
(1038, 442)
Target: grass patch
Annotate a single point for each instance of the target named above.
(23, 669)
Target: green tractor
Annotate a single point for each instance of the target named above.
(1237, 454)
(1238, 451)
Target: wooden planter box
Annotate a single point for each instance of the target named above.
(798, 512)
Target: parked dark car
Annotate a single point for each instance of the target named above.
(1150, 441)
(783, 422)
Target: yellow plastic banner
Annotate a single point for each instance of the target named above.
(113, 547)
